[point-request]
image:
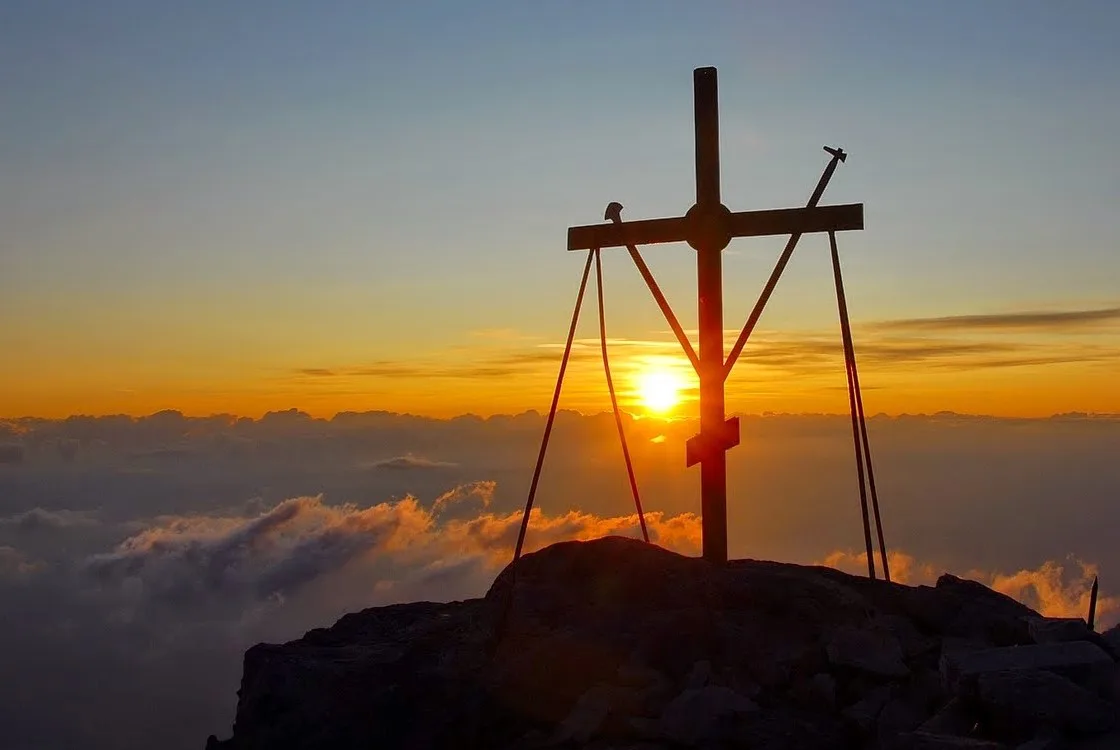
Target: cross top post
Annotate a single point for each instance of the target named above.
(708, 227)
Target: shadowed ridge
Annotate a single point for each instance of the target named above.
(614, 642)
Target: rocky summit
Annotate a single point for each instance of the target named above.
(614, 643)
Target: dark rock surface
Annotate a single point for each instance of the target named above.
(618, 644)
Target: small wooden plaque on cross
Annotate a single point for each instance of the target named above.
(709, 227)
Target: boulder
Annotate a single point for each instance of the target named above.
(816, 692)
(954, 718)
(700, 675)
(1112, 638)
(587, 716)
(911, 704)
(899, 715)
(382, 673)
(636, 676)
(1044, 743)
(704, 714)
(651, 689)
(926, 741)
(1079, 660)
(864, 712)
(778, 728)
(1058, 629)
(874, 652)
(1037, 701)
(1109, 741)
(911, 640)
(971, 610)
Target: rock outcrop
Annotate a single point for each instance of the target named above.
(618, 644)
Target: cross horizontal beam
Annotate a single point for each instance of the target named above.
(840, 218)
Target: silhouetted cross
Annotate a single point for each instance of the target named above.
(709, 227)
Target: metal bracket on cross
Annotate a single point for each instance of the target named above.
(698, 447)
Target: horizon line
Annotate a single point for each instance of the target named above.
(766, 414)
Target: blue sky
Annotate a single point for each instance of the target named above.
(370, 177)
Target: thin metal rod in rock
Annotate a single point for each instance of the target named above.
(552, 410)
(614, 398)
(870, 470)
(850, 354)
(838, 156)
(1093, 604)
(849, 368)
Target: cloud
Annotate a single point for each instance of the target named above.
(421, 370)
(904, 568)
(1056, 590)
(14, 565)
(409, 462)
(185, 565)
(201, 557)
(499, 364)
(805, 353)
(496, 536)
(1016, 321)
(38, 519)
(237, 561)
(943, 342)
(1052, 589)
(457, 496)
(11, 454)
(549, 354)
(888, 344)
(799, 352)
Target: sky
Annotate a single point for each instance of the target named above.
(139, 558)
(258, 206)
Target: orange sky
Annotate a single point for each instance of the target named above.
(1000, 365)
(228, 223)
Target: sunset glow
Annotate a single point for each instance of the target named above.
(345, 241)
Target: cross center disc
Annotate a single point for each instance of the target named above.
(709, 228)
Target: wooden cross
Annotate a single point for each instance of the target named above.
(709, 227)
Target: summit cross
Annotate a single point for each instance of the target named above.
(708, 227)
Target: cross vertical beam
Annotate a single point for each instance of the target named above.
(708, 228)
(706, 109)
(709, 279)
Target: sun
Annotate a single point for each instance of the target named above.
(660, 390)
